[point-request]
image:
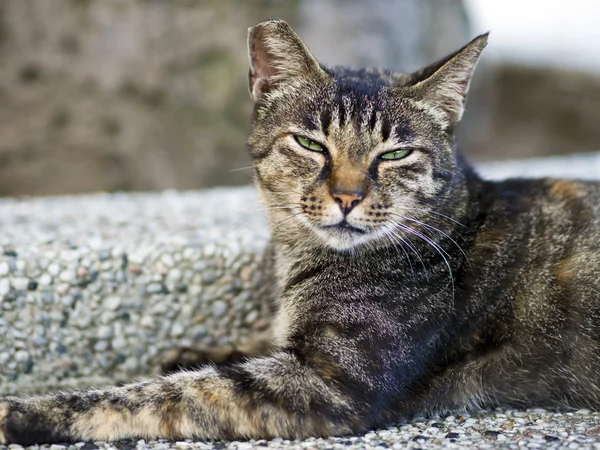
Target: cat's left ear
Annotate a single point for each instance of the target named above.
(277, 56)
(443, 86)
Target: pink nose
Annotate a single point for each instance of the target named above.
(347, 200)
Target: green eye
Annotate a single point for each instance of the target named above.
(309, 144)
(397, 154)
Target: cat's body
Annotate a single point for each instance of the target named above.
(402, 282)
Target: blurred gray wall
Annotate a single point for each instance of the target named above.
(402, 35)
(152, 94)
(124, 94)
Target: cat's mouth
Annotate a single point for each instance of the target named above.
(343, 235)
(345, 227)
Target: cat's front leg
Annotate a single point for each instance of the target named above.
(265, 397)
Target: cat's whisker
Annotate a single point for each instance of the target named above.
(248, 224)
(239, 169)
(429, 211)
(281, 221)
(395, 241)
(415, 251)
(431, 239)
(244, 227)
(278, 223)
(439, 231)
(266, 208)
(440, 250)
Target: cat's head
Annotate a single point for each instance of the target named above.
(344, 157)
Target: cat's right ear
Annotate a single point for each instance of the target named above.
(277, 55)
(443, 86)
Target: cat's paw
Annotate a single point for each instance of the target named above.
(22, 424)
(4, 411)
(9, 420)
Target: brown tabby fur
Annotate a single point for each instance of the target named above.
(399, 286)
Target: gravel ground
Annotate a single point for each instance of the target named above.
(505, 428)
(94, 289)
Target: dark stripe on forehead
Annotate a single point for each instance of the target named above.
(341, 111)
(373, 120)
(310, 122)
(360, 91)
(386, 129)
(325, 121)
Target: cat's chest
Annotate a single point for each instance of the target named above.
(345, 286)
(380, 299)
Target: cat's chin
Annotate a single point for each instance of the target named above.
(343, 238)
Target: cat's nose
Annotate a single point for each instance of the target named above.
(347, 200)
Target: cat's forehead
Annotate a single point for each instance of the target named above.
(359, 106)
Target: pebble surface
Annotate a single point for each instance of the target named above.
(499, 428)
(94, 289)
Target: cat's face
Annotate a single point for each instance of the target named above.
(349, 166)
(350, 157)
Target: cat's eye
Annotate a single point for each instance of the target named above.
(397, 154)
(309, 144)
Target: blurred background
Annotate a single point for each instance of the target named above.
(152, 94)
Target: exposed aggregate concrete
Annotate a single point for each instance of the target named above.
(96, 288)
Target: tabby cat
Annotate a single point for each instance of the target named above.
(402, 282)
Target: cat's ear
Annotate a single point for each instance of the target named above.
(277, 55)
(444, 85)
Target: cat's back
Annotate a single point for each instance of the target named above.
(544, 233)
(565, 214)
(538, 248)
(535, 263)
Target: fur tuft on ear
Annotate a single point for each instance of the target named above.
(277, 55)
(444, 85)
